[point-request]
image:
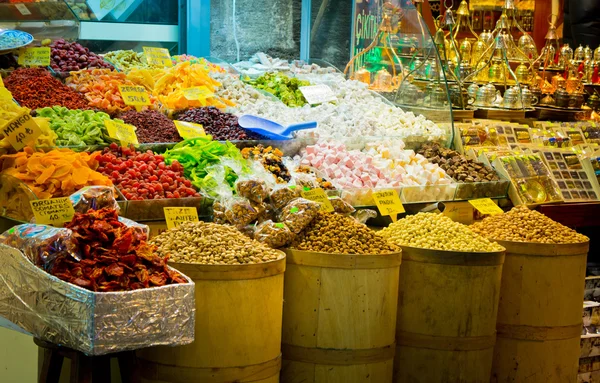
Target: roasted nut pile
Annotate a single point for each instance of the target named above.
(456, 165)
(523, 225)
(337, 233)
(438, 232)
(211, 244)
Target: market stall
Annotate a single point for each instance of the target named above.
(310, 216)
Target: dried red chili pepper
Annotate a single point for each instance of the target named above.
(35, 88)
(115, 257)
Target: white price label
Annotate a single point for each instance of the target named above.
(317, 94)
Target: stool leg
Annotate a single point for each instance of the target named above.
(81, 369)
(129, 367)
(51, 367)
(101, 369)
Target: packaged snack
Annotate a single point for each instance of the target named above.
(284, 194)
(273, 234)
(340, 206)
(219, 213)
(299, 213)
(253, 189)
(94, 197)
(239, 211)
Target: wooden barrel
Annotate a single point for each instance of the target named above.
(539, 317)
(447, 307)
(339, 316)
(237, 329)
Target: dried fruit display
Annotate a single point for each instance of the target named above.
(271, 160)
(114, 256)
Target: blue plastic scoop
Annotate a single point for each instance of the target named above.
(271, 129)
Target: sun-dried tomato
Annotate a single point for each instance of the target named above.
(115, 257)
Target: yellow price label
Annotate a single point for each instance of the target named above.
(54, 211)
(198, 93)
(189, 129)
(21, 130)
(175, 216)
(125, 133)
(318, 195)
(134, 95)
(158, 56)
(35, 56)
(486, 206)
(1, 82)
(388, 202)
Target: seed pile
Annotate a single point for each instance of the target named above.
(152, 126)
(523, 225)
(336, 233)
(211, 244)
(438, 232)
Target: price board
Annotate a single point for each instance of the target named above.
(318, 195)
(158, 56)
(189, 130)
(486, 206)
(21, 130)
(34, 56)
(54, 211)
(125, 133)
(388, 202)
(175, 216)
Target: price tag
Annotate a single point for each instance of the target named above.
(21, 130)
(388, 202)
(134, 95)
(23, 9)
(175, 216)
(189, 129)
(125, 133)
(486, 206)
(158, 56)
(198, 93)
(35, 56)
(318, 195)
(317, 94)
(54, 211)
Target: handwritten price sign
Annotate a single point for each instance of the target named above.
(175, 216)
(189, 130)
(134, 95)
(318, 195)
(125, 133)
(158, 56)
(486, 206)
(54, 211)
(35, 56)
(21, 130)
(388, 202)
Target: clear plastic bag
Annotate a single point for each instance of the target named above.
(363, 215)
(94, 197)
(340, 206)
(253, 189)
(41, 244)
(239, 211)
(273, 234)
(299, 213)
(281, 195)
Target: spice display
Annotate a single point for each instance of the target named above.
(124, 60)
(57, 173)
(340, 234)
(101, 89)
(114, 257)
(273, 234)
(283, 195)
(221, 126)
(521, 224)
(152, 126)
(71, 56)
(170, 87)
(271, 160)
(35, 88)
(299, 213)
(76, 127)
(255, 190)
(197, 154)
(144, 175)
(282, 87)
(211, 244)
(438, 232)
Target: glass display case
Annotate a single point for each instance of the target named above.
(100, 25)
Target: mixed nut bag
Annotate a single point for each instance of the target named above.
(121, 295)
